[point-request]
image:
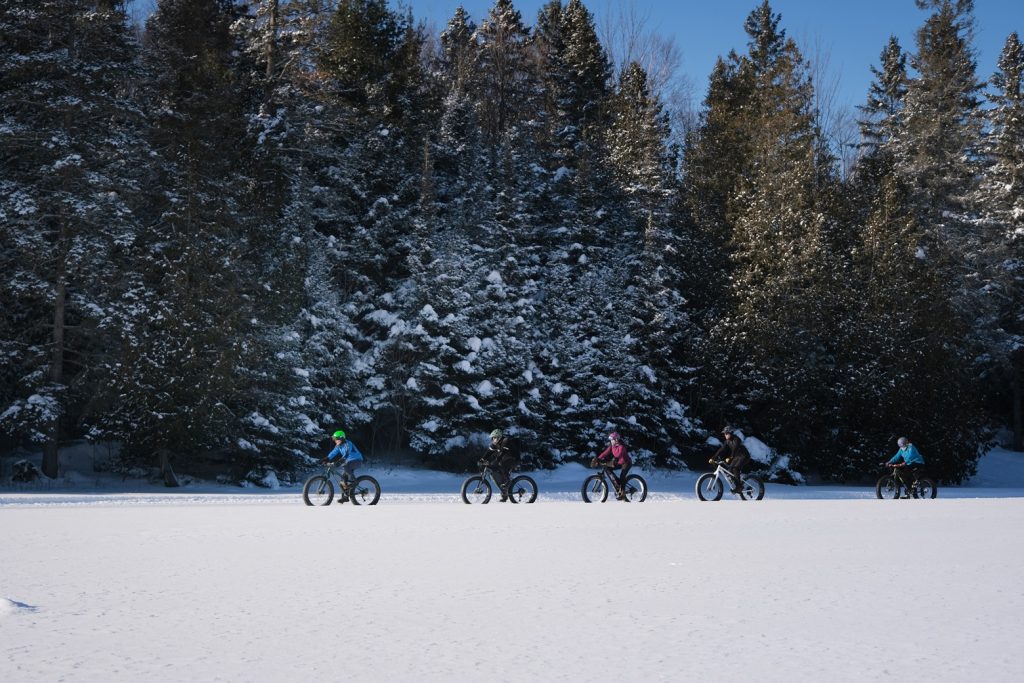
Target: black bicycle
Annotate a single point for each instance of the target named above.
(892, 485)
(596, 486)
(319, 489)
(478, 488)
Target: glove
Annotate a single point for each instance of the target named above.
(483, 462)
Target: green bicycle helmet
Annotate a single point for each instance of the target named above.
(497, 434)
(340, 434)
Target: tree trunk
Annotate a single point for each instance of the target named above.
(166, 471)
(1018, 406)
(51, 461)
(272, 40)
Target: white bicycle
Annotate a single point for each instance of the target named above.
(711, 485)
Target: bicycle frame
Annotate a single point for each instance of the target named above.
(488, 475)
(907, 481)
(905, 476)
(609, 478)
(332, 471)
(726, 477)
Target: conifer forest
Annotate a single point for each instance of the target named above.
(239, 226)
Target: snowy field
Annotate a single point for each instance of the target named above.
(811, 584)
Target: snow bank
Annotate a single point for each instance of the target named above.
(1000, 468)
(759, 451)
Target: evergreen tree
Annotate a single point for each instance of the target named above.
(282, 40)
(1000, 200)
(199, 371)
(716, 157)
(771, 352)
(70, 154)
(636, 137)
(663, 342)
(362, 41)
(886, 95)
(584, 101)
(588, 65)
(904, 373)
(906, 361)
(547, 45)
(369, 190)
(502, 82)
(941, 121)
(458, 49)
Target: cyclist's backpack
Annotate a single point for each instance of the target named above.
(511, 449)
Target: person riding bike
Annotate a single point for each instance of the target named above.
(351, 460)
(907, 458)
(736, 455)
(502, 457)
(618, 456)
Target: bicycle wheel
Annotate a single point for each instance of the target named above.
(522, 489)
(709, 487)
(888, 487)
(594, 489)
(476, 489)
(924, 488)
(635, 490)
(751, 488)
(318, 490)
(364, 491)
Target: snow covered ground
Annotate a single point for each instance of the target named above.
(1000, 474)
(813, 583)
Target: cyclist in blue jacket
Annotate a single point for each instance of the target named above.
(351, 460)
(907, 458)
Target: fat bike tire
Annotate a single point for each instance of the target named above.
(635, 490)
(888, 487)
(594, 489)
(924, 489)
(318, 490)
(522, 489)
(364, 491)
(476, 490)
(751, 488)
(709, 487)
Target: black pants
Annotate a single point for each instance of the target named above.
(736, 468)
(348, 471)
(907, 475)
(621, 476)
(502, 472)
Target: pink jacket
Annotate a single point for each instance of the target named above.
(618, 453)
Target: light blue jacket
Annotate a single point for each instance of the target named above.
(907, 454)
(347, 452)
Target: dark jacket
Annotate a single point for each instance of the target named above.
(505, 453)
(733, 449)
